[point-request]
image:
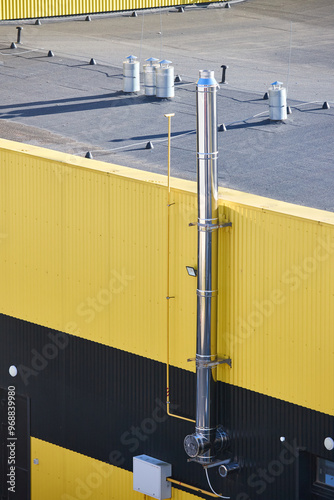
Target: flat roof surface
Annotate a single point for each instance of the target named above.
(66, 104)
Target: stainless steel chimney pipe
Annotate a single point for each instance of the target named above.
(201, 445)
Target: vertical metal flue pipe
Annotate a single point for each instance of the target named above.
(200, 445)
(207, 192)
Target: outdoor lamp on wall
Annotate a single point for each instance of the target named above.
(191, 271)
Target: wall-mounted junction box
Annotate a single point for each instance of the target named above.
(149, 477)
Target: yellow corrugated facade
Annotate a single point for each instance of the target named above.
(92, 238)
(75, 476)
(276, 306)
(21, 9)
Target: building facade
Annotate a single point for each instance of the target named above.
(85, 249)
(27, 9)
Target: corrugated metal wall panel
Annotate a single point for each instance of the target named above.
(76, 476)
(183, 252)
(20, 9)
(73, 475)
(276, 306)
(109, 405)
(85, 252)
(93, 247)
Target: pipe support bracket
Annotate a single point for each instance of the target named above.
(211, 364)
(208, 226)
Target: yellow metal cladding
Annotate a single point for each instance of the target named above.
(83, 250)
(21, 9)
(92, 246)
(276, 305)
(62, 474)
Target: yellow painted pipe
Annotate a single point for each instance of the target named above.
(192, 487)
(169, 116)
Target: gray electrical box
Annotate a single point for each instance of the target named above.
(149, 477)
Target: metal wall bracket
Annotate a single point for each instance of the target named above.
(216, 463)
(210, 227)
(219, 361)
(211, 364)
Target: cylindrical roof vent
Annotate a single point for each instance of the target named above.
(277, 102)
(150, 76)
(131, 78)
(165, 79)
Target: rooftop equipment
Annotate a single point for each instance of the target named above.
(131, 78)
(208, 438)
(150, 76)
(277, 102)
(165, 79)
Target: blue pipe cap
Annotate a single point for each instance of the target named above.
(164, 61)
(151, 60)
(276, 84)
(207, 78)
(131, 58)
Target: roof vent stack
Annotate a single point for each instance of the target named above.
(277, 102)
(150, 79)
(131, 78)
(165, 79)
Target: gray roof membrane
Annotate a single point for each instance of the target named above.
(65, 103)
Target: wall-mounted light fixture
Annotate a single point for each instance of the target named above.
(12, 371)
(191, 271)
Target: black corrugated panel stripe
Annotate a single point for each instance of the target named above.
(110, 405)
(14, 445)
